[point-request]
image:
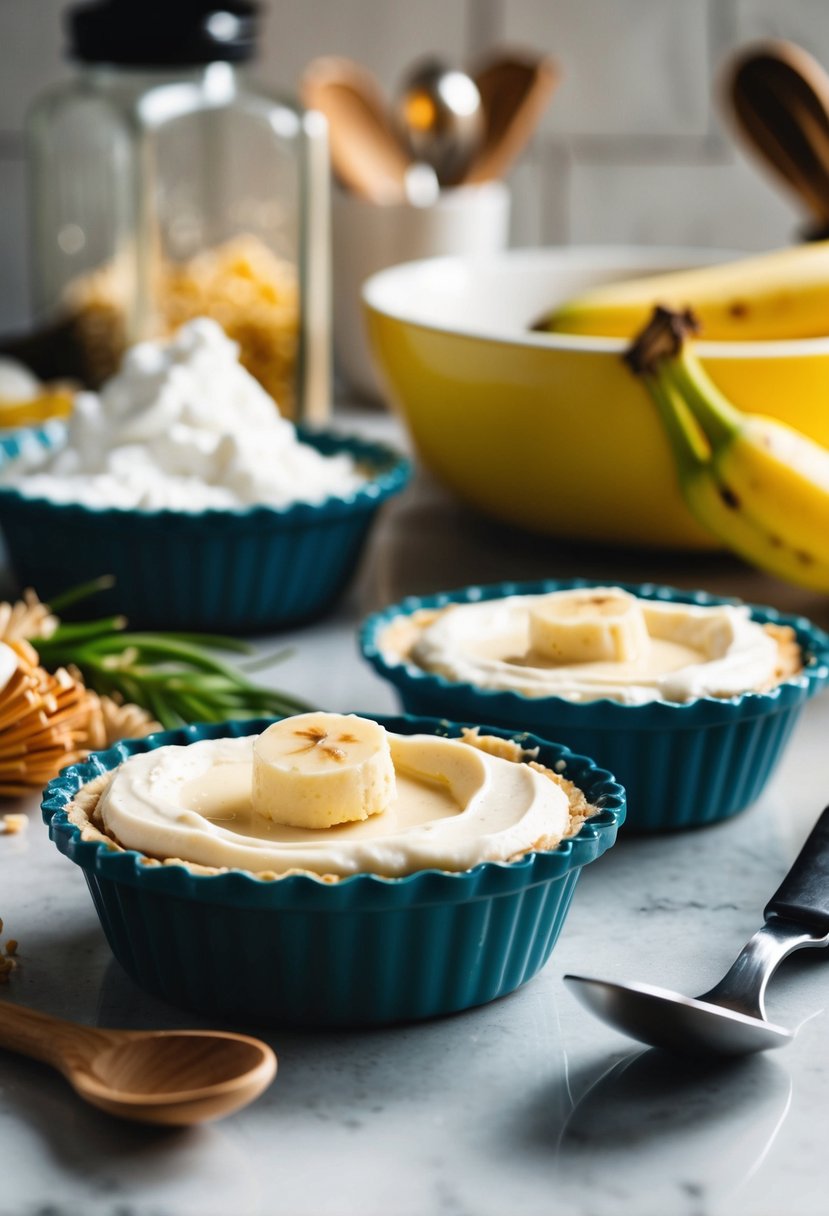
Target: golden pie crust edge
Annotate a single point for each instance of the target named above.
(83, 812)
(402, 633)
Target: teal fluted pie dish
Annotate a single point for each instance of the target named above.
(362, 951)
(242, 570)
(682, 765)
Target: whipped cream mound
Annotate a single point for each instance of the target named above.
(691, 651)
(455, 806)
(184, 426)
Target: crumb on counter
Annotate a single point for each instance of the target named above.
(12, 825)
(8, 961)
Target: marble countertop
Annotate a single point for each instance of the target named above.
(526, 1105)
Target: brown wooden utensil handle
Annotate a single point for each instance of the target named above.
(42, 1037)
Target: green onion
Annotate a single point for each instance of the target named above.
(174, 676)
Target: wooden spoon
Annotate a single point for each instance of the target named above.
(366, 154)
(173, 1077)
(515, 90)
(780, 98)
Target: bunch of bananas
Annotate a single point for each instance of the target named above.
(757, 484)
(777, 295)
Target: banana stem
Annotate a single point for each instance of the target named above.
(659, 354)
(687, 441)
(716, 416)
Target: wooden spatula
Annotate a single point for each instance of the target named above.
(779, 96)
(515, 90)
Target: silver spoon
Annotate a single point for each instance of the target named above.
(440, 118)
(730, 1019)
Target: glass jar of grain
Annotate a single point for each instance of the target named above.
(165, 185)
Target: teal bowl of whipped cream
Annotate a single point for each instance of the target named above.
(687, 698)
(381, 931)
(181, 479)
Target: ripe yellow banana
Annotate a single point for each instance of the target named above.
(758, 485)
(783, 294)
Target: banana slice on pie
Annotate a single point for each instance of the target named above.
(594, 624)
(320, 769)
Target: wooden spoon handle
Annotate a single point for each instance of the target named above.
(44, 1038)
(366, 155)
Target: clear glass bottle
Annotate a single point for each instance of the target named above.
(165, 186)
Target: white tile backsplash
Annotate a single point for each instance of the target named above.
(805, 22)
(31, 54)
(633, 148)
(628, 68)
(527, 188)
(385, 35)
(717, 205)
(539, 186)
(13, 235)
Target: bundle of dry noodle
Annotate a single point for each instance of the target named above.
(69, 689)
(49, 719)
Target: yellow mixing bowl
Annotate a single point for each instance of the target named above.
(552, 432)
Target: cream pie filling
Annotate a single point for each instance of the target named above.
(455, 806)
(691, 651)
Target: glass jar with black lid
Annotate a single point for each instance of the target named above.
(165, 185)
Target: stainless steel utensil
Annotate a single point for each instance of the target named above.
(729, 1019)
(440, 118)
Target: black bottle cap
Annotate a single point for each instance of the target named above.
(162, 33)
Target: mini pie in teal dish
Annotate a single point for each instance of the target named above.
(237, 570)
(682, 765)
(361, 951)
